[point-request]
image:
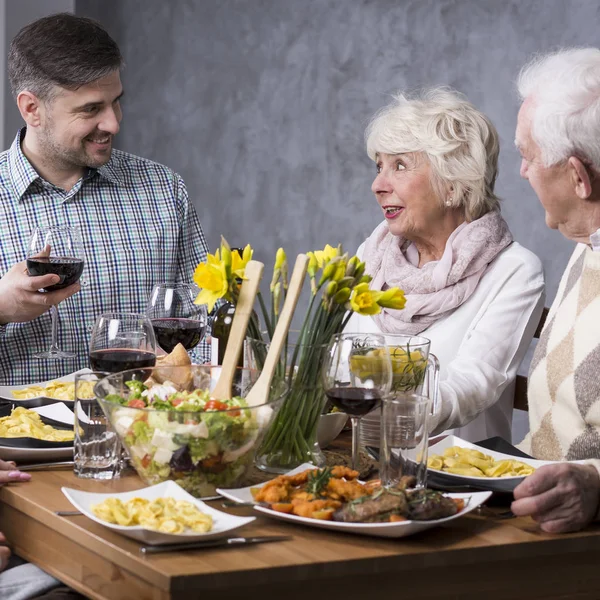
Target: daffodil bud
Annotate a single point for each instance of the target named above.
(345, 282)
(328, 272)
(342, 296)
(392, 298)
(280, 258)
(276, 297)
(360, 269)
(331, 289)
(313, 265)
(351, 266)
(365, 279)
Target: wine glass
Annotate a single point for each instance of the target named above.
(122, 341)
(357, 374)
(56, 250)
(174, 316)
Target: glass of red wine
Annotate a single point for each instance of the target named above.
(56, 250)
(357, 375)
(174, 316)
(122, 341)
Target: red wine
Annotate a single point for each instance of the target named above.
(170, 332)
(69, 269)
(354, 401)
(114, 360)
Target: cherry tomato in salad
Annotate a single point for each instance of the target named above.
(146, 461)
(176, 401)
(136, 403)
(215, 405)
(234, 412)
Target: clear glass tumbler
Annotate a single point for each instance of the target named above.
(97, 450)
(404, 438)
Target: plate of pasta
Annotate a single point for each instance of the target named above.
(454, 462)
(38, 394)
(160, 514)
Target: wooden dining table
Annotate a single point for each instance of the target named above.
(474, 557)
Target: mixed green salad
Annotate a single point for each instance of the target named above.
(185, 436)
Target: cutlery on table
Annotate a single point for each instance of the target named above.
(237, 333)
(67, 513)
(47, 465)
(223, 542)
(259, 393)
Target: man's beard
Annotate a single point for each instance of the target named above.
(68, 157)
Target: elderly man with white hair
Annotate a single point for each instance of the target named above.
(558, 136)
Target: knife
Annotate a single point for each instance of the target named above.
(223, 542)
(46, 465)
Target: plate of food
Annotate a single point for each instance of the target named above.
(160, 514)
(454, 462)
(333, 498)
(38, 394)
(29, 445)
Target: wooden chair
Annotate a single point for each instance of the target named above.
(520, 401)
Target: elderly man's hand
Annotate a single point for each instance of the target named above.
(20, 299)
(561, 498)
(4, 552)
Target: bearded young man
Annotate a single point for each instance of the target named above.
(137, 223)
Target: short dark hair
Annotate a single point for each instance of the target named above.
(60, 50)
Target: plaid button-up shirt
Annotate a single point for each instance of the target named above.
(138, 229)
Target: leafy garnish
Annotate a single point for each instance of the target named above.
(318, 480)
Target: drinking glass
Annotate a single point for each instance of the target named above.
(56, 250)
(174, 316)
(97, 450)
(357, 374)
(404, 437)
(122, 341)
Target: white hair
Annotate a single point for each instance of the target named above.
(459, 141)
(564, 87)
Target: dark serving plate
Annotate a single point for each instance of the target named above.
(28, 442)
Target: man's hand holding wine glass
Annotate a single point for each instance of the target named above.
(20, 298)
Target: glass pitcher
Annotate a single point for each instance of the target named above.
(415, 371)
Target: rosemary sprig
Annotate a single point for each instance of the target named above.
(318, 480)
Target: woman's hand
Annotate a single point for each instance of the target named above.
(4, 552)
(9, 473)
(561, 498)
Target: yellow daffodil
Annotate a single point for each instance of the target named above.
(211, 277)
(280, 258)
(364, 301)
(392, 298)
(326, 255)
(238, 263)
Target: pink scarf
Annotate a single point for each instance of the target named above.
(439, 287)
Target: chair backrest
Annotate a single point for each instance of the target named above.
(520, 401)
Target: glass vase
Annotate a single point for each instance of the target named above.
(292, 437)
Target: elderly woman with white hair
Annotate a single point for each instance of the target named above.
(470, 289)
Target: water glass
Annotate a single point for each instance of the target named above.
(97, 448)
(404, 438)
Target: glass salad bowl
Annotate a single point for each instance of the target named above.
(173, 430)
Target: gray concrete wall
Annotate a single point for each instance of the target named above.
(261, 104)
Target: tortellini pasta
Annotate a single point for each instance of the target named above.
(27, 423)
(58, 390)
(161, 514)
(472, 463)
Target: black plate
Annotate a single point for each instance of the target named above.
(28, 442)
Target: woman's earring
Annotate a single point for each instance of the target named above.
(448, 202)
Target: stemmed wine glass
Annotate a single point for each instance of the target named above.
(174, 316)
(357, 374)
(56, 250)
(122, 341)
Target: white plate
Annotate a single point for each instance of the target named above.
(223, 523)
(392, 530)
(496, 484)
(6, 391)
